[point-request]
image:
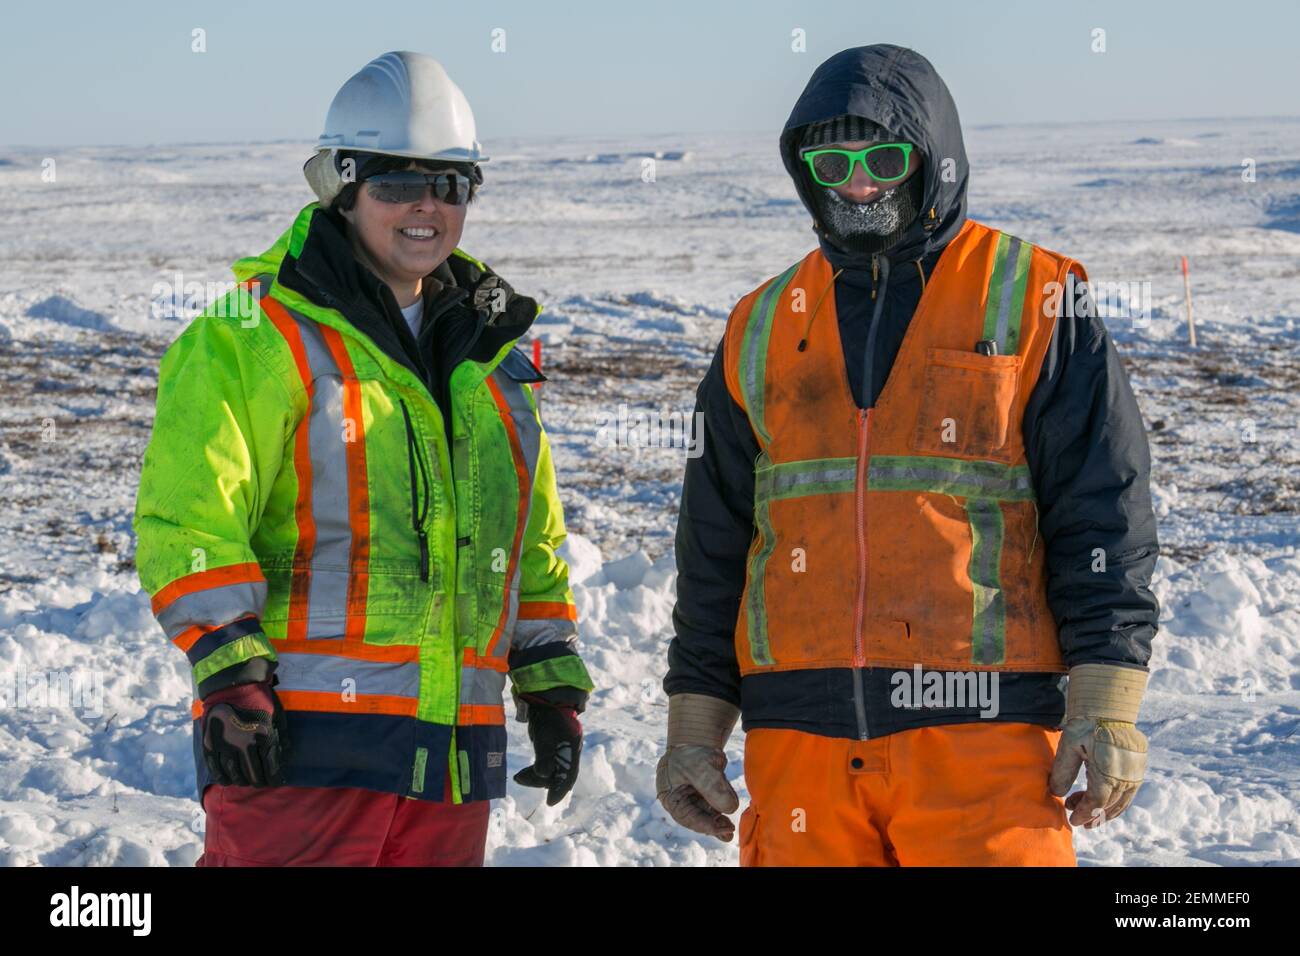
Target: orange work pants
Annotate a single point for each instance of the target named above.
(951, 795)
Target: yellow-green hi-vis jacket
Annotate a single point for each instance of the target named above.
(304, 500)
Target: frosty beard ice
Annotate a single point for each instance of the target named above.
(871, 226)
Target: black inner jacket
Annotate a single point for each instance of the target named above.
(1085, 441)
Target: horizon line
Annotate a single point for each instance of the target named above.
(631, 136)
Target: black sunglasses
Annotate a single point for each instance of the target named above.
(407, 185)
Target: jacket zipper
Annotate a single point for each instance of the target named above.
(419, 509)
(860, 607)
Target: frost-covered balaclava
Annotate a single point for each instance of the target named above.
(861, 227)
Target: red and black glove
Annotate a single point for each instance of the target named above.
(245, 735)
(556, 734)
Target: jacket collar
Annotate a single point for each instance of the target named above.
(314, 258)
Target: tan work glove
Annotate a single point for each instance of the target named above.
(689, 780)
(1100, 731)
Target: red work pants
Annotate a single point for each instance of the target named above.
(338, 826)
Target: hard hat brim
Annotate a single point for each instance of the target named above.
(449, 155)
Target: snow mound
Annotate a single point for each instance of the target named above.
(1229, 625)
(57, 308)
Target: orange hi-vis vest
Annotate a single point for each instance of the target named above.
(905, 534)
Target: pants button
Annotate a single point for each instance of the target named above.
(868, 757)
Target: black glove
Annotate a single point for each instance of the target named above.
(245, 735)
(556, 734)
(494, 297)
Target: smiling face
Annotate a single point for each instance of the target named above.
(406, 241)
(861, 188)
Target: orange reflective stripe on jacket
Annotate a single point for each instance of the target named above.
(906, 533)
(328, 588)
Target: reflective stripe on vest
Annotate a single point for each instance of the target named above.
(817, 476)
(1006, 295)
(753, 367)
(753, 362)
(989, 628)
(950, 476)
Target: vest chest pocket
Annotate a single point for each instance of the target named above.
(966, 405)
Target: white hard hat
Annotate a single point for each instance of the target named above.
(398, 104)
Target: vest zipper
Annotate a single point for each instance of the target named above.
(419, 509)
(879, 286)
(860, 607)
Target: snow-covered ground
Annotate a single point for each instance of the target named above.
(637, 278)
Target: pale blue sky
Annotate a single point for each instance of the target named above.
(90, 72)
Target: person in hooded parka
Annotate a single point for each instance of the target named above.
(915, 554)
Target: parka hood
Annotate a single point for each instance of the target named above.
(900, 90)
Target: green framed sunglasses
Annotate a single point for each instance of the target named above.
(883, 162)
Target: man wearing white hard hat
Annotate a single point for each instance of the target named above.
(348, 516)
